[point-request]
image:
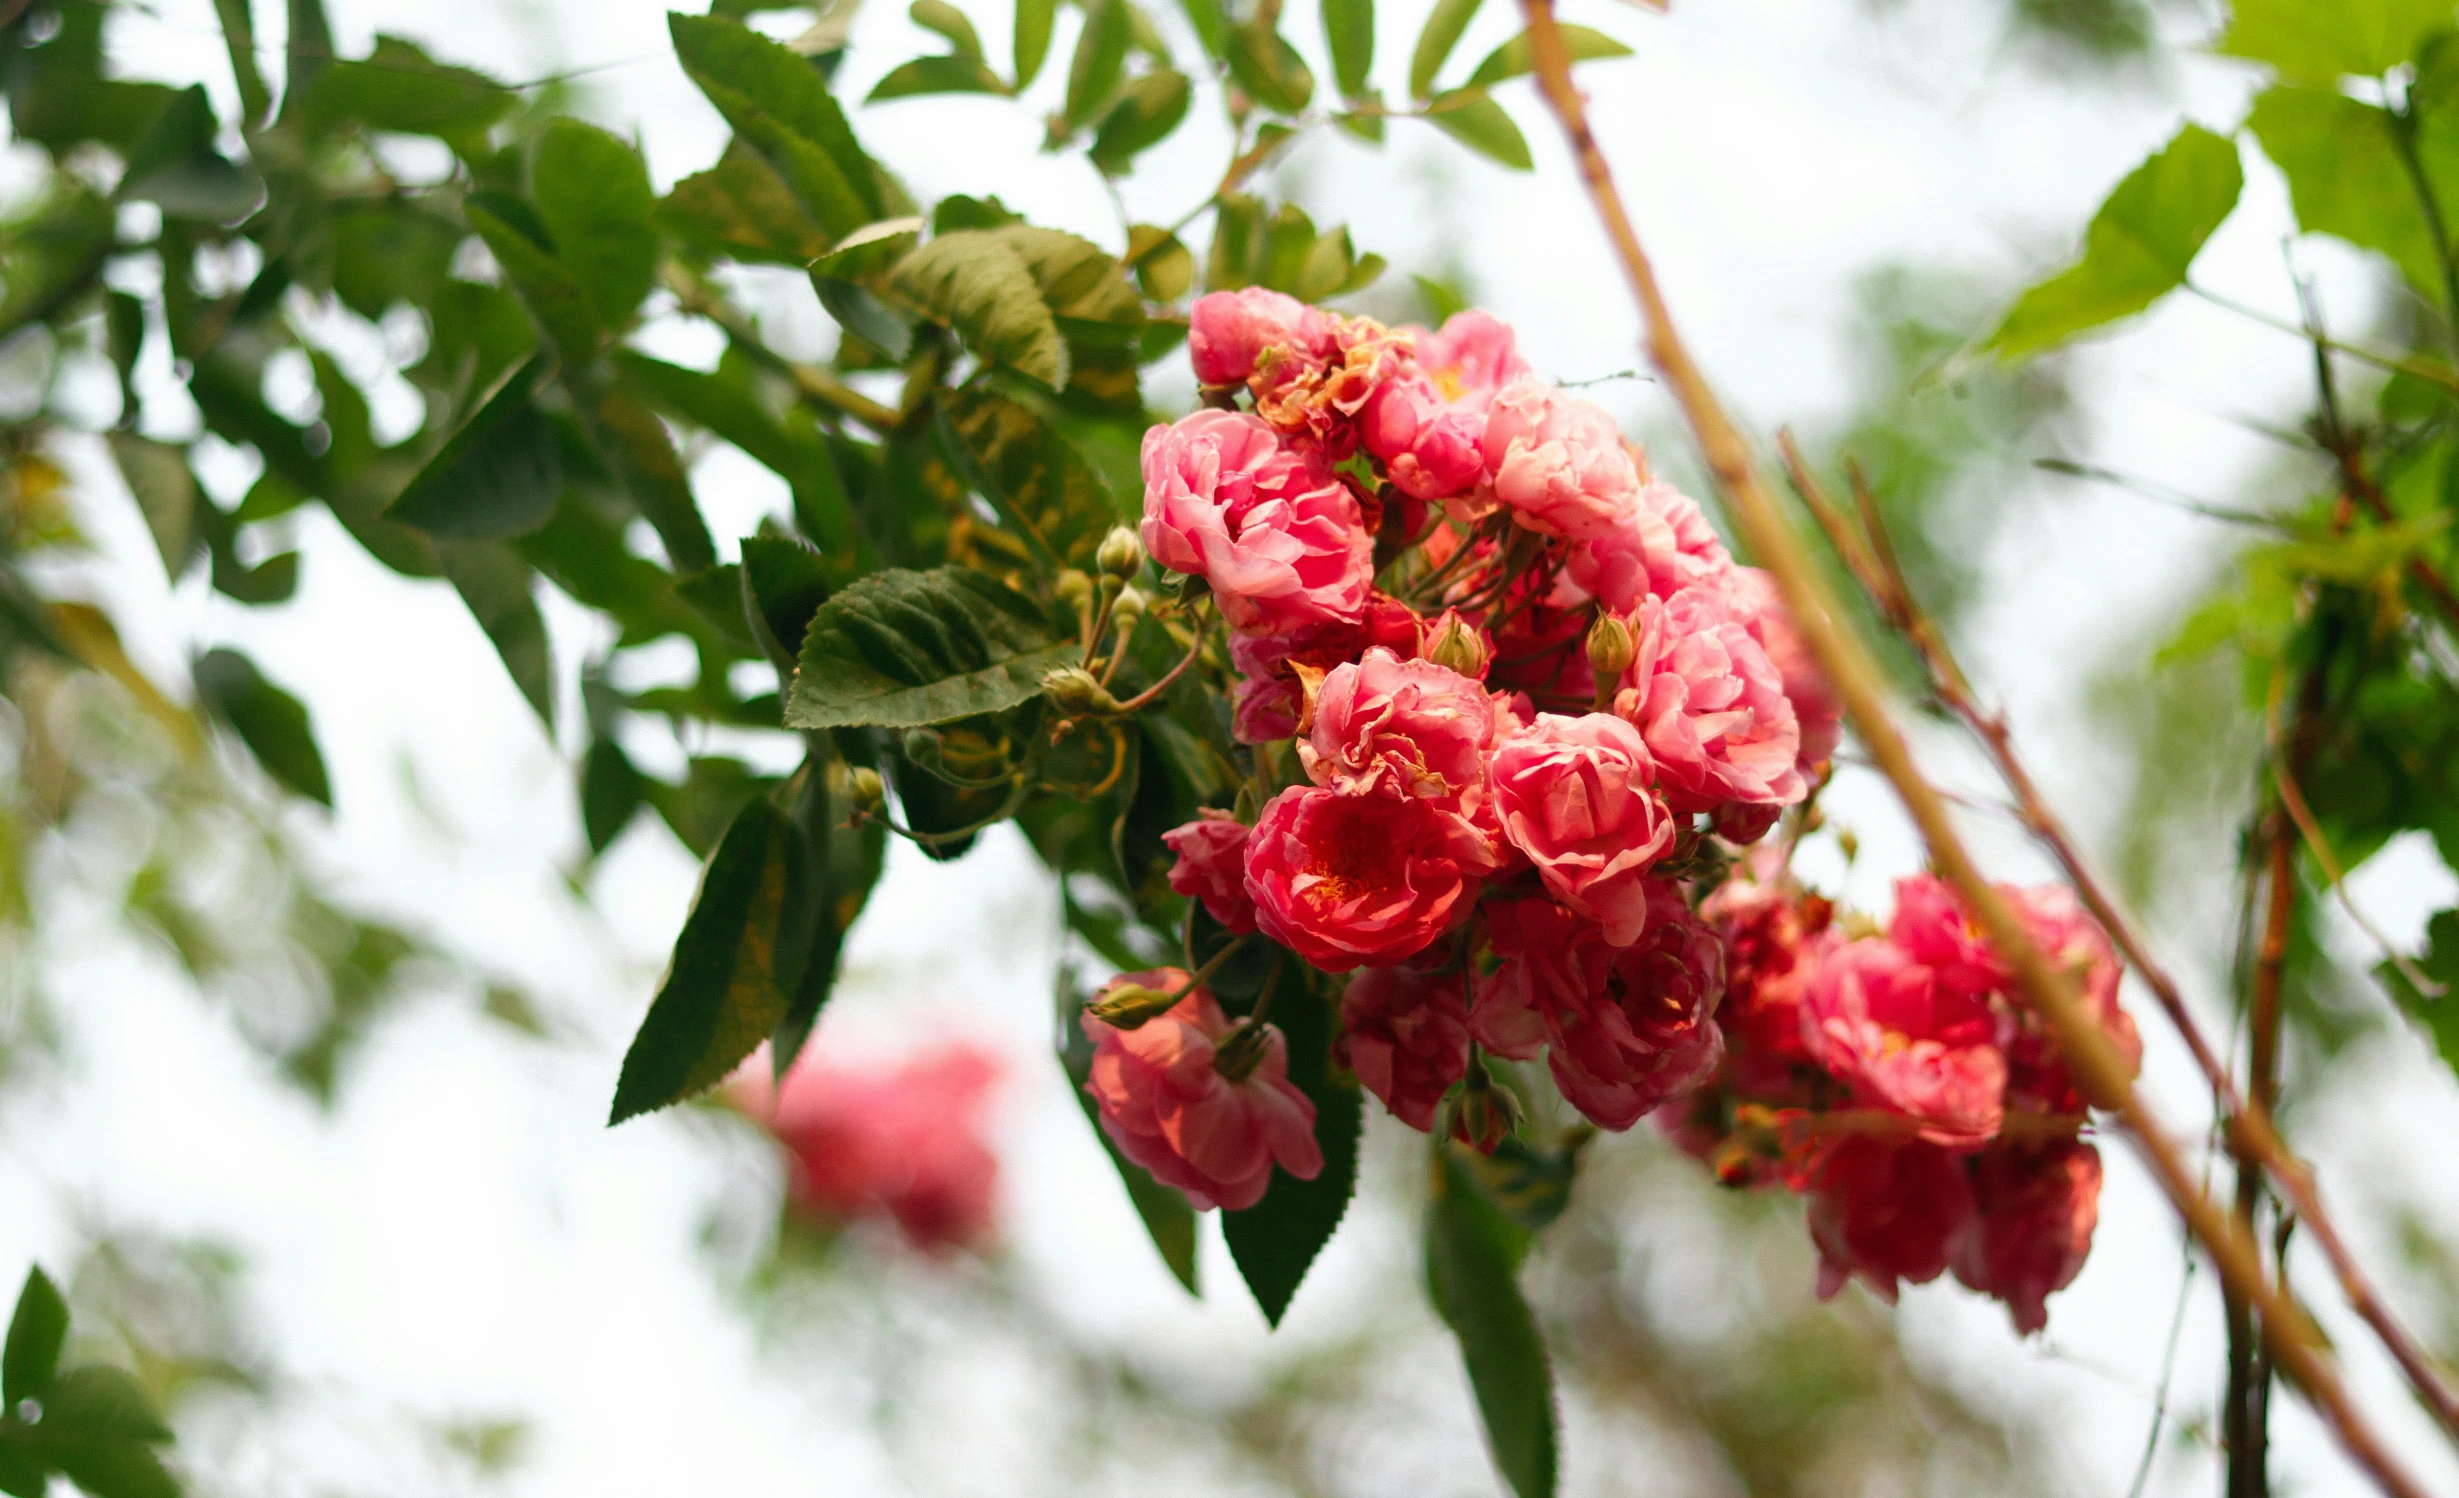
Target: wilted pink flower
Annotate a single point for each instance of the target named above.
(1577, 795)
(1264, 705)
(1228, 331)
(2034, 1208)
(1344, 881)
(1627, 1028)
(1888, 1211)
(1903, 1039)
(1711, 706)
(901, 1141)
(1212, 867)
(1315, 388)
(1277, 534)
(1558, 461)
(1169, 1109)
(1394, 727)
(1405, 1033)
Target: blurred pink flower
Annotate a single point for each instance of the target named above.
(1405, 1033)
(1888, 1026)
(1890, 1212)
(2034, 1210)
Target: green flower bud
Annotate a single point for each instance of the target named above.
(1455, 646)
(1129, 1006)
(1075, 692)
(1483, 1115)
(1242, 1051)
(1075, 590)
(1610, 646)
(864, 792)
(1121, 554)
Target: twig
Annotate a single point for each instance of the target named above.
(817, 385)
(2249, 1129)
(2103, 1077)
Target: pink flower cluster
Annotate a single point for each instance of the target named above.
(901, 1142)
(1897, 1081)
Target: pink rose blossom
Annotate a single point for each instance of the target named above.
(1169, 1109)
(1559, 462)
(1775, 935)
(1228, 331)
(1665, 546)
(1815, 706)
(1627, 1028)
(1264, 705)
(1711, 706)
(1405, 1033)
(1577, 795)
(1471, 356)
(2034, 1208)
(1394, 727)
(1889, 1027)
(1277, 534)
(1889, 1212)
(1344, 881)
(1212, 867)
(903, 1141)
(1428, 446)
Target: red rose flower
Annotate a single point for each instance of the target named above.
(1406, 1035)
(1344, 881)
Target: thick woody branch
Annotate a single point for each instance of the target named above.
(2295, 1343)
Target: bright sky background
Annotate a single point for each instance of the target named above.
(463, 1238)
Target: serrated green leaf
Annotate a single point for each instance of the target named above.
(1034, 20)
(2137, 249)
(498, 476)
(1275, 1241)
(398, 87)
(1149, 108)
(1041, 485)
(1513, 59)
(948, 21)
(779, 102)
(495, 584)
(1472, 1263)
(1349, 31)
(1101, 56)
(2346, 178)
(976, 282)
(592, 190)
(271, 722)
(954, 74)
(1435, 41)
(741, 208)
(902, 649)
(165, 491)
(37, 1332)
(1477, 122)
(1263, 63)
(720, 998)
(2319, 43)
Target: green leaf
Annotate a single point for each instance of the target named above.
(641, 453)
(1042, 486)
(903, 649)
(165, 491)
(1148, 109)
(239, 42)
(1435, 42)
(1101, 56)
(785, 583)
(494, 582)
(1275, 1241)
(1167, 1217)
(52, 253)
(97, 1406)
(1513, 59)
(176, 166)
(22, 1474)
(592, 189)
(118, 1470)
(547, 286)
(1211, 25)
(37, 1332)
(720, 998)
(1163, 265)
(1034, 20)
(1349, 31)
(498, 476)
(740, 207)
(611, 794)
(271, 722)
(2318, 43)
(956, 74)
(1263, 63)
(2137, 249)
(1477, 122)
(2346, 178)
(869, 250)
(832, 868)
(1472, 1263)
(398, 87)
(975, 282)
(778, 101)
(948, 21)
(1529, 1185)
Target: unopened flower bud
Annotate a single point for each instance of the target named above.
(1455, 646)
(1128, 1006)
(1127, 610)
(1610, 646)
(864, 792)
(1075, 590)
(1237, 1057)
(1121, 554)
(1075, 692)
(1483, 1115)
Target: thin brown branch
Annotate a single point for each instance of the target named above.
(2104, 1078)
(2420, 572)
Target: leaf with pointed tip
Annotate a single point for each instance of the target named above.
(1275, 1241)
(741, 208)
(949, 22)
(399, 87)
(1263, 63)
(1349, 32)
(954, 74)
(779, 101)
(903, 649)
(157, 475)
(1147, 111)
(1435, 41)
(1477, 122)
(1101, 55)
(784, 585)
(975, 282)
(869, 250)
(592, 190)
(1513, 59)
(498, 476)
(511, 230)
(1042, 486)
(494, 582)
(1473, 1257)
(271, 722)
(37, 1332)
